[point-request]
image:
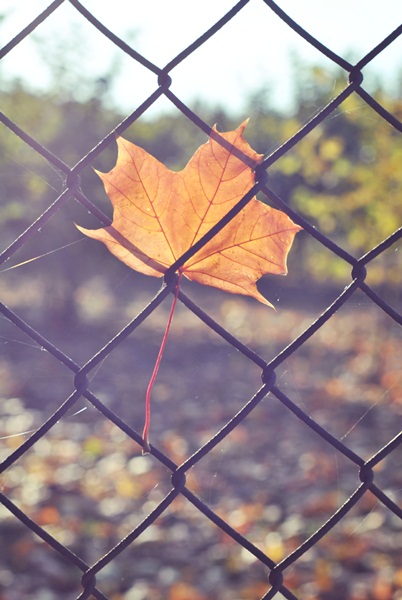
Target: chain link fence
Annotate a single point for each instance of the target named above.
(278, 582)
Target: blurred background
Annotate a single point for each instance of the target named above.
(272, 479)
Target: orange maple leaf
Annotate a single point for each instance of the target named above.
(159, 214)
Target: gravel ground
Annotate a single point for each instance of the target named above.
(272, 479)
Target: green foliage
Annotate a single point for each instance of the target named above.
(345, 177)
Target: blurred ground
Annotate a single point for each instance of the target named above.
(272, 478)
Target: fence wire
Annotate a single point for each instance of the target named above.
(276, 586)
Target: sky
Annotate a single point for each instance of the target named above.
(253, 51)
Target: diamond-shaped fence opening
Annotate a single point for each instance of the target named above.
(275, 465)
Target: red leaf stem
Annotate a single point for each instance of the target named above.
(145, 433)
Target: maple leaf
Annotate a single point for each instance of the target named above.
(158, 214)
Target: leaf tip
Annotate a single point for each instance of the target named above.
(82, 229)
(258, 296)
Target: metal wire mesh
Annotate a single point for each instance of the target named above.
(81, 374)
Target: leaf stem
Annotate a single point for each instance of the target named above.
(145, 434)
